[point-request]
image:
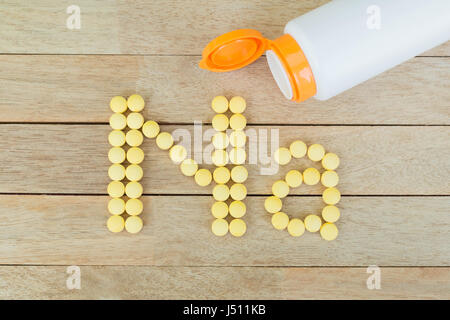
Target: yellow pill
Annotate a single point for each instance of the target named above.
(239, 174)
(135, 103)
(237, 227)
(298, 149)
(219, 210)
(133, 224)
(150, 129)
(273, 204)
(237, 104)
(294, 178)
(238, 138)
(135, 155)
(164, 140)
(237, 156)
(316, 152)
(219, 227)
(329, 231)
(116, 172)
(280, 220)
(116, 155)
(134, 172)
(116, 138)
(221, 192)
(280, 189)
(116, 189)
(177, 153)
(330, 161)
(220, 140)
(331, 214)
(219, 104)
(134, 138)
(238, 191)
(203, 177)
(134, 207)
(118, 104)
(331, 196)
(116, 206)
(282, 156)
(329, 178)
(133, 189)
(238, 121)
(296, 227)
(221, 175)
(189, 167)
(118, 121)
(219, 157)
(311, 176)
(220, 122)
(313, 223)
(115, 224)
(237, 209)
(135, 120)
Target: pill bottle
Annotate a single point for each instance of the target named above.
(336, 46)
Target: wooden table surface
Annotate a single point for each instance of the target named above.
(391, 132)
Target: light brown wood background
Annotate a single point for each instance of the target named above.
(392, 134)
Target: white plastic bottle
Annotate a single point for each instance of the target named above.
(338, 45)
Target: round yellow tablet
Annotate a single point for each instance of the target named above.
(135, 155)
(311, 176)
(282, 156)
(115, 223)
(329, 178)
(177, 153)
(221, 192)
(238, 138)
(329, 231)
(239, 174)
(116, 138)
(134, 172)
(316, 152)
(221, 175)
(118, 104)
(296, 227)
(330, 161)
(134, 138)
(164, 140)
(219, 157)
(237, 209)
(298, 149)
(219, 104)
(280, 189)
(116, 189)
(237, 156)
(294, 178)
(238, 121)
(220, 140)
(150, 129)
(134, 207)
(203, 177)
(189, 167)
(331, 196)
(116, 155)
(219, 227)
(135, 120)
(117, 121)
(237, 104)
(219, 210)
(133, 224)
(273, 204)
(313, 223)
(135, 103)
(238, 191)
(280, 220)
(238, 227)
(220, 122)
(331, 214)
(116, 172)
(133, 189)
(116, 206)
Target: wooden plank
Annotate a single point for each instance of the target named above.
(78, 89)
(142, 27)
(375, 160)
(134, 282)
(383, 231)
